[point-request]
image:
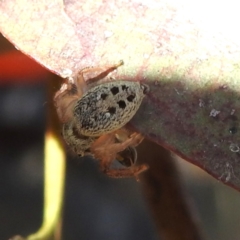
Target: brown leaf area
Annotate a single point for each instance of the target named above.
(193, 107)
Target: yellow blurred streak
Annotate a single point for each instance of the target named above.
(54, 178)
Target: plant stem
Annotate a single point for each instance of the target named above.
(54, 174)
(164, 194)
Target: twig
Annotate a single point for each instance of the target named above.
(163, 191)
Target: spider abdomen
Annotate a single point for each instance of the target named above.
(108, 107)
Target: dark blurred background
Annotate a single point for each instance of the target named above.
(95, 206)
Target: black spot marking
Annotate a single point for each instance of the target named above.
(103, 96)
(111, 110)
(130, 98)
(124, 87)
(233, 130)
(114, 90)
(121, 104)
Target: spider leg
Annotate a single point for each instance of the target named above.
(133, 171)
(106, 145)
(64, 102)
(123, 135)
(71, 91)
(105, 148)
(93, 74)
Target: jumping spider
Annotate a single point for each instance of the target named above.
(94, 116)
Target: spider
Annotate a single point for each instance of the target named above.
(94, 115)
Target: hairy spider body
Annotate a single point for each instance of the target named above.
(80, 144)
(93, 118)
(108, 107)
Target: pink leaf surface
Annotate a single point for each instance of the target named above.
(187, 53)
